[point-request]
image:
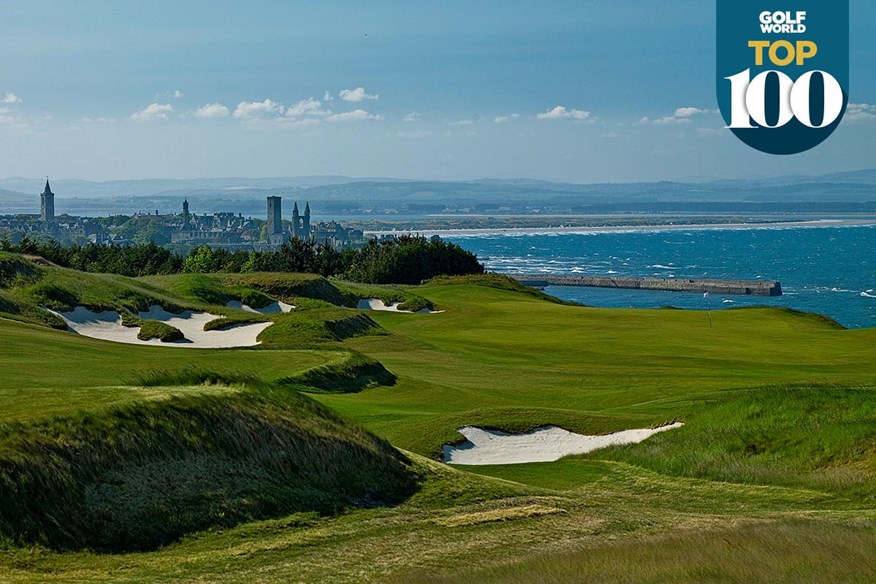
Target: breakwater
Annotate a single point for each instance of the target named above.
(735, 287)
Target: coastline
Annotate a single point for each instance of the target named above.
(521, 231)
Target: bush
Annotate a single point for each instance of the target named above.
(402, 260)
(410, 260)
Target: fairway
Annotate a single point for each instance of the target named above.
(779, 413)
(45, 372)
(513, 362)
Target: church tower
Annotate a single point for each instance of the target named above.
(296, 222)
(47, 203)
(187, 217)
(305, 226)
(275, 220)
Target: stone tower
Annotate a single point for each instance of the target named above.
(47, 203)
(296, 222)
(187, 217)
(275, 220)
(305, 224)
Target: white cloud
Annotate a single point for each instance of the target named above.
(212, 110)
(861, 112)
(462, 123)
(682, 115)
(412, 117)
(686, 112)
(11, 98)
(561, 113)
(356, 95)
(503, 119)
(152, 112)
(307, 107)
(254, 109)
(176, 94)
(353, 116)
(327, 96)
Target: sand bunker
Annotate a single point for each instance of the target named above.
(273, 308)
(108, 326)
(378, 304)
(545, 444)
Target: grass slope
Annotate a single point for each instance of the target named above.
(507, 360)
(140, 476)
(46, 373)
(772, 476)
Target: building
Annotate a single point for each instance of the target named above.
(301, 225)
(275, 221)
(187, 217)
(336, 235)
(47, 203)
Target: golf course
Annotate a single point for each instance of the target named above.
(316, 455)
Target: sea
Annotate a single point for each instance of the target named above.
(829, 270)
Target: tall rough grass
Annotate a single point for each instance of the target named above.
(141, 476)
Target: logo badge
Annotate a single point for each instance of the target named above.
(782, 71)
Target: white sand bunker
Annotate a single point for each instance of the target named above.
(378, 304)
(545, 444)
(273, 308)
(108, 326)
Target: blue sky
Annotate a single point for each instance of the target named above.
(590, 90)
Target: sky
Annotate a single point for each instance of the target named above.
(581, 91)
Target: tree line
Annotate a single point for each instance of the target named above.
(402, 260)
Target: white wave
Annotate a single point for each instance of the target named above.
(866, 295)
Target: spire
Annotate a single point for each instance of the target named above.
(295, 208)
(307, 208)
(48, 189)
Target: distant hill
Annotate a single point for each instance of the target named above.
(341, 195)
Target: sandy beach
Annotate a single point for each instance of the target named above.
(815, 223)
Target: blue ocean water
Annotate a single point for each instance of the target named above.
(827, 270)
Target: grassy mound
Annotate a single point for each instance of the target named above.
(153, 329)
(288, 287)
(209, 289)
(227, 322)
(27, 286)
(356, 374)
(141, 476)
(811, 437)
(16, 270)
(317, 326)
(500, 283)
(407, 299)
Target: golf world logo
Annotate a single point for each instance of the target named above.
(782, 71)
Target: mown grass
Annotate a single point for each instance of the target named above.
(512, 361)
(45, 372)
(777, 445)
